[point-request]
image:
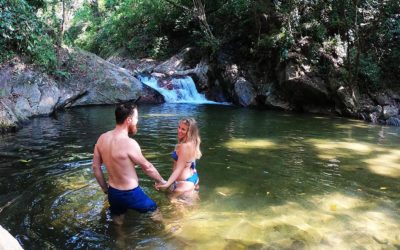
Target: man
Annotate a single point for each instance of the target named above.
(120, 154)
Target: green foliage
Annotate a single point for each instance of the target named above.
(280, 40)
(62, 74)
(153, 27)
(262, 31)
(390, 50)
(37, 4)
(370, 72)
(317, 31)
(141, 27)
(41, 49)
(22, 32)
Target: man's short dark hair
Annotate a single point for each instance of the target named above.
(123, 111)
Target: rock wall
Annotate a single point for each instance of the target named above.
(299, 84)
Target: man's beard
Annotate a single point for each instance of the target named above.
(132, 130)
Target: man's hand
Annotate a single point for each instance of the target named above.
(161, 185)
(105, 190)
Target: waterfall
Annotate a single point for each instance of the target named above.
(176, 90)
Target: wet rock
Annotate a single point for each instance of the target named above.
(345, 102)
(393, 121)
(158, 75)
(136, 66)
(389, 111)
(7, 241)
(182, 65)
(217, 94)
(22, 108)
(373, 117)
(274, 101)
(150, 96)
(381, 98)
(244, 92)
(8, 119)
(173, 64)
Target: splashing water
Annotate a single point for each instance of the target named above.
(179, 90)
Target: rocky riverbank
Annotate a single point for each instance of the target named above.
(294, 85)
(89, 80)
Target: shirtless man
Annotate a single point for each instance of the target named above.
(120, 154)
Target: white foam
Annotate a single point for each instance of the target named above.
(183, 90)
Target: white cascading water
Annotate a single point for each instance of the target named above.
(183, 90)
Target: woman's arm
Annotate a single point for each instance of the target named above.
(183, 151)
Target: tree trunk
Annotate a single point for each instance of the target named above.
(201, 16)
(357, 44)
(60, 35)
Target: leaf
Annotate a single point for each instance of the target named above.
(25, 161)
(10, 28)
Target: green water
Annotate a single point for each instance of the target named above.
(267, 181)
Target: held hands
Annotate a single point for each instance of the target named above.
(161, 185)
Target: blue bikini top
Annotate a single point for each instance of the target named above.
(174, 156)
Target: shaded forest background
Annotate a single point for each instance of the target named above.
(255, 32)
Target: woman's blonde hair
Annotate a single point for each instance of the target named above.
(193, 134)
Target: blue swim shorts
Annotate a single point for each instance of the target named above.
(122, 200)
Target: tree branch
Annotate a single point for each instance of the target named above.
(177, 5)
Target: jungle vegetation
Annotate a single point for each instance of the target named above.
(255, 31)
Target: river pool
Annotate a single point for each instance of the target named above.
(268, 180)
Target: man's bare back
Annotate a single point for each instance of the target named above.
(120, 154)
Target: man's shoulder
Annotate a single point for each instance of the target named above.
(104, 136)
(133, 142)
(129, 141)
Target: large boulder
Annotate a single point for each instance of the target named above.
(300, 85)
(244, 93)
(101, 81)
(36, 92)
(345, 103)
(27, 92)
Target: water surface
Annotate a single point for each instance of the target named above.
(268, 180)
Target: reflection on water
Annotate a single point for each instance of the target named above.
(268, 180)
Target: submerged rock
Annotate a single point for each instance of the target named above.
(393, 121)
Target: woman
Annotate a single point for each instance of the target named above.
(184, 180)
